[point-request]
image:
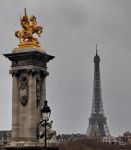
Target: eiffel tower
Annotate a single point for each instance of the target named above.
(97, 127)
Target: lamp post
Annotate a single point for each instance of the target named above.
(45, 113)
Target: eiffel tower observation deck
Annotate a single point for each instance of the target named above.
(97, 127)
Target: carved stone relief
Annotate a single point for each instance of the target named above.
(51, 134)
(23, 90)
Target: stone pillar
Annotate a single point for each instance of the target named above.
(15, 107)
(29, 72)
(43, 88)
(32, 107)
(23, 106)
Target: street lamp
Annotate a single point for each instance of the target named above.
(45, 113)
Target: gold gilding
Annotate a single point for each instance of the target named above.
(29, 28)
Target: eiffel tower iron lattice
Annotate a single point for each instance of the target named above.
(97, 122)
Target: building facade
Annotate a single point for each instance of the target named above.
(5, 137)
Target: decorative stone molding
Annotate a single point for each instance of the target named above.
(44, 73)
(14, 73)
(31, 57)
(32, 71)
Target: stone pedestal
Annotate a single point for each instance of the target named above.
(29, 71)
(33, 148)
(19, 146)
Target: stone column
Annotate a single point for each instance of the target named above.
(32, 107)
(15, 107)
(42, 98)
(43, 88)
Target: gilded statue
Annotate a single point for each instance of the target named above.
(29, 29)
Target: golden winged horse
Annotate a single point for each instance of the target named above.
(29, 28)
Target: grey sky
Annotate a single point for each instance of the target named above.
(72, 29)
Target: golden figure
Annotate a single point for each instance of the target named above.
(29, 28)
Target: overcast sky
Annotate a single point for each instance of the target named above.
(72, 29)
